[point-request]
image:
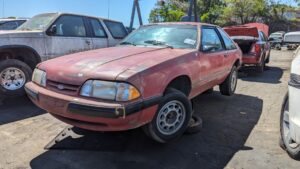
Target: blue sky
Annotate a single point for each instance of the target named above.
(119, 9)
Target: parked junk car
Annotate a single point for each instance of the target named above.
(147, 80)
(290, 112)
(292, 40)
(276, 40)
(11, 24)
(47, 36)
(254, 44)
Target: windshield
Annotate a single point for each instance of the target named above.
(173, 36)
(38, 22)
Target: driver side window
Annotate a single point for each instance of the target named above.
(210, 41)
(69, 26)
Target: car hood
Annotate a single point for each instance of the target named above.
(107, 63)
(20, 34)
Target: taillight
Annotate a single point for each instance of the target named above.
(256, 49)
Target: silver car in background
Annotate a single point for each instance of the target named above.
(47, 36)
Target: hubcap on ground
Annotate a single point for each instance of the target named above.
(286, 129)
(12, 78)
(171, 117)
(234, 80)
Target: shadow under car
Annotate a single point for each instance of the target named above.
(227, 123)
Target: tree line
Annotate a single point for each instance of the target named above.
(278, 14)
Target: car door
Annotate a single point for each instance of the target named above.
(68, 34)
(117, 32)
(98, 33)
(212, 53)
(231, 51)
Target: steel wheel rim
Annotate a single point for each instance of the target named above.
(286, 129)
(12, 78)
(233, 80)
(171, 117)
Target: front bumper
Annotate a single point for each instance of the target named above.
(90, 114)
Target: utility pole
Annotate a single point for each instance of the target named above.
(193, 5)
(2, 8)
(135, 7)
(108, 8)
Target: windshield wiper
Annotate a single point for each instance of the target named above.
(127, 43)
(158, 43)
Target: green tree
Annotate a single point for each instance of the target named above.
(169, 12)
(244, 11)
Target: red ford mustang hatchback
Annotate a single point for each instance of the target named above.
(147, 80)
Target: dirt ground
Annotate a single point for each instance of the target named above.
(238, 132)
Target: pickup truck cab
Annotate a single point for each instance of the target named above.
(147, 80)
(253, 41)
(47, 36)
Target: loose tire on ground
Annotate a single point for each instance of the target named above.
(229, 85)
(175, 108)
(22, 70)
(195, 125)
(292, 148)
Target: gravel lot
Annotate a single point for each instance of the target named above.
(238, 132)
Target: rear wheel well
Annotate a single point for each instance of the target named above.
(181, 83)
(237, 63)
(24, 54)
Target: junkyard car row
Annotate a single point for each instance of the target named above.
(145, 79)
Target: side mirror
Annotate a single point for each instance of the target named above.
(52, 30)
(208, 48)
(270, 39)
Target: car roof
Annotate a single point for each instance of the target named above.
(181, 23)
(67, 13)
(7, 19)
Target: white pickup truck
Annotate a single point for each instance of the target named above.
(47, 36)
(290, 112)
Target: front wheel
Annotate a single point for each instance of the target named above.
(229, 85)
(292, 148)
(13, 76)
(171, 119)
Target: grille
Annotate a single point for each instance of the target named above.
(62, 87)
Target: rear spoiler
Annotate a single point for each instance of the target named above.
(242, 31)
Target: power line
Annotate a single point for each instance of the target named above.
(2, 8)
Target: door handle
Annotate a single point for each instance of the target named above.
(88, 42)
(226, 55)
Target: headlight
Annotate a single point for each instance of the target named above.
(39, 77)
(109, 90)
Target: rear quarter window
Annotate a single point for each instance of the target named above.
(229, 44)
(117, 29)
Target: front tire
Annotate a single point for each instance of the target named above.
(228, 87)
(171, 119)
(292, 148)
(13, 76)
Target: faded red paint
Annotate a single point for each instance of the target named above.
(260, 26)
(261, 49)
(150, 70)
